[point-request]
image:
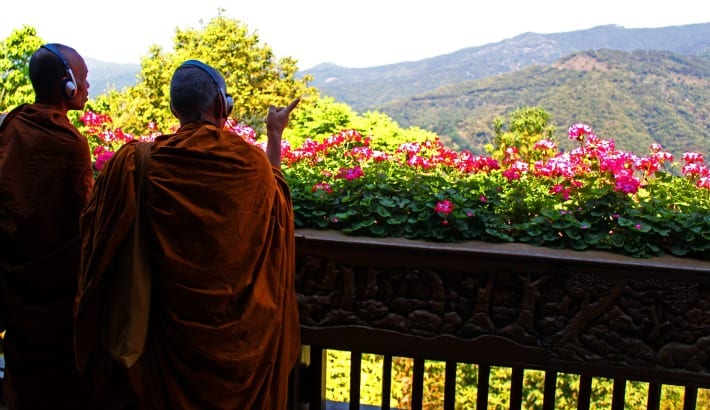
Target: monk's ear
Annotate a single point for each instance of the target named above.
(218, 107)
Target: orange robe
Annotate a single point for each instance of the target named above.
(223, 330)
(45, 182)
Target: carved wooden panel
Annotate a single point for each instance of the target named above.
(574, 315)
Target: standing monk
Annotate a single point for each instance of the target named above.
(205, 257)
(45, 182)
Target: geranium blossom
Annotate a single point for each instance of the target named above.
(578, 131)
(322, 186)
(350, 173)
(444, 207)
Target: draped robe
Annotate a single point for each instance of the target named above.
(45, 181)
(217, 220)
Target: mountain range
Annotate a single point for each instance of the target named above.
(368, 88)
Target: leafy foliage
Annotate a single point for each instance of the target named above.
(324, 117)
(567, 386)
(15, 53)
(254, 77)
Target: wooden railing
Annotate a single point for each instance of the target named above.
(593, 314)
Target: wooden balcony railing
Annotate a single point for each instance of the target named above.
(593, 314)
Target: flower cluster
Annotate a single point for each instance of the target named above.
(592, 197)
(104, 140)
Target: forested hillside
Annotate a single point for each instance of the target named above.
(634, 98)
(368, 88)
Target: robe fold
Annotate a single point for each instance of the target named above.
(45, 181)
(217, 219)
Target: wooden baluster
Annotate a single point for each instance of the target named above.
(691, 397)
(484, 372)
(654, 396)
(355, 371)
(450, 386)
(418, 384)
(585, 392)
(516, 388)
(548, 401)
(386, 381)
(316, 378)
(618, 395)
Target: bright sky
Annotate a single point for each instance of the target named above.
(355, 33)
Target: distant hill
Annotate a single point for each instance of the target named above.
(104, 76)
(635, 98)
(369, 88)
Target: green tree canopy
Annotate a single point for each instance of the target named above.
(254, 77)
(322, 117)
(15, 53)
(527, 125)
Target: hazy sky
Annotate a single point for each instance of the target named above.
(356, 33)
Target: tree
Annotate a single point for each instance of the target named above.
(527, 126)
(254, 77)
(387, 134)
(319, 119)
(15, 53)
(323, 117)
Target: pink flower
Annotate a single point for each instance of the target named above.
(627, 184)
(350, 173)
(102, 158)
(516, 170)
(444, 206)
(578, 131)
(246, 132)
(559, 189)
(322, 186)
(545, 144)
(693, 157)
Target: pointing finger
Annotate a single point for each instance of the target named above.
(293, 104)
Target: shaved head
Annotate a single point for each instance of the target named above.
(192, 90)
(47, 72)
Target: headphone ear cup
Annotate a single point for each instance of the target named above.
(69, 88)
(228, 104)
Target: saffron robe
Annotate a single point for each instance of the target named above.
(45, 182)
(223, 330)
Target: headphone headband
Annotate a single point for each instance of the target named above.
(228, 100)
(70, 84)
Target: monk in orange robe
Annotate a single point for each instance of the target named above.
(45, 181)
(199, 236)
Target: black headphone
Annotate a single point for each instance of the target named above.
(226, 98)
(70, 88)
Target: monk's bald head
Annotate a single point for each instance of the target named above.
(48, 73)
(192, 90)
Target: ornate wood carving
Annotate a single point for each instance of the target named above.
(574, 312)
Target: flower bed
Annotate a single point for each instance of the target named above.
(593, 197)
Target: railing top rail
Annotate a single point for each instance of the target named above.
(511, 251)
